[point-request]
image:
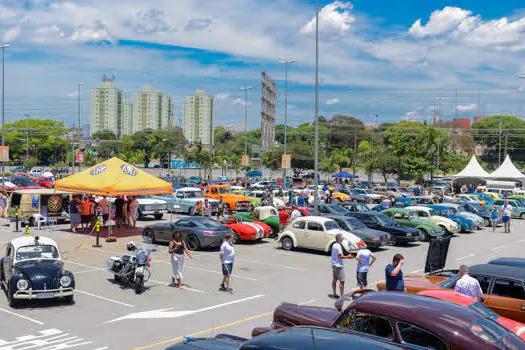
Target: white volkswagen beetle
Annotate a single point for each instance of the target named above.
(429, 214)
(317, 232)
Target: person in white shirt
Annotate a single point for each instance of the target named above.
(338, 272)
(506, 214)
(385, 203)
(467, 285)
(365, 259)
(295, 213)
(227, 256)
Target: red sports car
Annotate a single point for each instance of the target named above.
(473, 304)
(45, 181)
(247, 231)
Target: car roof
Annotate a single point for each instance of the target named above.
(448, 295)
(520, 262)
(400, 210)
(505, 271)
(417, 207)
(322, 219)
(189, 189)
(342, 217)
(455, 205)
(30, 240)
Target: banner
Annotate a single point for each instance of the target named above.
(4, 155)
(245, 160)
(286, 161)
(80, 157)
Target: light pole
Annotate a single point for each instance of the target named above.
(286, 63)
(79, 85)
(3, 47)
(499, 150)
(245, 89)
(316, 160)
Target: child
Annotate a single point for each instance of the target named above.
(494, 218)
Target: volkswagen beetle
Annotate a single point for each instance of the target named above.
(32, 269)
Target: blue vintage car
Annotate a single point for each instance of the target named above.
(467, 225)
(32, 269)
(183, 200)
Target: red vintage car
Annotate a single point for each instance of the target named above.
(304, 211)
(407, 320)
(517, 327)
(246, 231)
(45, 181)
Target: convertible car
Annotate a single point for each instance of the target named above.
(409, 320)
(266, 214)
(246, 231)
(32, 269)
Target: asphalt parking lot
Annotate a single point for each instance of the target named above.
(106, 315)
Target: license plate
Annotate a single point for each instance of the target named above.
(45, 295)
(409, 234)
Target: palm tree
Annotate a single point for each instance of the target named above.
(341, 156)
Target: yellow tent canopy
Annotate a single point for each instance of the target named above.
(114, 177)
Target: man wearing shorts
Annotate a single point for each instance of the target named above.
(227, 256)
(365, 259)
(494, 216)
(506, 214)
(85, 212)
(338, 272)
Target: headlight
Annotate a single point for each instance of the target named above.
(65, 281)
(22, 284)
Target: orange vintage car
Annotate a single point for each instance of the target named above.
(503, 286)
(232, 201)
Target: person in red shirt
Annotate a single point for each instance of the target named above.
(283, 218)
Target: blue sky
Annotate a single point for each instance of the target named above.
(390, 58)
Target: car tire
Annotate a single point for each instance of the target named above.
(193, 243)
(150, 234)
(287, 243)
(522, 216)
(425, 235)
(158, 216)
(392, 240)
(190, 211)
(486, 222)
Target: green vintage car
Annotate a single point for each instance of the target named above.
(248, 194)
(518, 208)
(267, 215)
(404, 218)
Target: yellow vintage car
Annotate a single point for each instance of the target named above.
(342, 197)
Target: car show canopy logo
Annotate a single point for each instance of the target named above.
(98, 169)
(128, 170)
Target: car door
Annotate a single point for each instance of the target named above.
(366, 324)
(178, 201)
(8, 262)
(299, 230)
(185, 227)
(507, 298)
(315, 237)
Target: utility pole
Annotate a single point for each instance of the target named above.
(27, 137)
(316, 159)
(499, 151)
(3, 47)
(180, 147)
(79, 125)
(355, 151)
(438, 149)
(245, 89)
(285, 62)
(506, 138)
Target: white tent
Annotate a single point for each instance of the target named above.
(473, 170)
(508, 171)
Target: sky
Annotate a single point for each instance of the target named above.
(397, 59)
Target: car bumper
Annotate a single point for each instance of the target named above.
(406, 239)
(211, 241)
(153, 212)
(43, 294)
(376, 244)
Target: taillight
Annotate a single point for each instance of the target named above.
(362, 244)
(210, 233)
(148, 259)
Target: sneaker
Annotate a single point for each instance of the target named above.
(222, 286)
(229, 290)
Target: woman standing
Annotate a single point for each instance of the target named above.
(199, 209)
(177, 249)
(74, 213)
(125, 211)
(133, 211)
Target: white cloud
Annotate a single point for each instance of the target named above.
(332, 101)
(334, 20)
(466, 107)
(440, 22)
(222, 96)
(11, 34)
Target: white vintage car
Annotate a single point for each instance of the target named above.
(317, 232)
(429, 214)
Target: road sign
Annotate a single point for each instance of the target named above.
(286, 161)
(80, 157)
(245, 160)
(4, 154)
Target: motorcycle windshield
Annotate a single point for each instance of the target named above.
(142, 256)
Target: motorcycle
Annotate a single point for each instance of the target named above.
(133, 270)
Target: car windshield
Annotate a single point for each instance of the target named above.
(361, 207)
(224, 190)
(355, 224)
(331, 225)
(418, 214)
(477, 207)
(462, 209)
(23, 181)
(385, 220)
(339, 209)
(194, 194)
(312, 211)
(37, 252)
(488, 330)
(210, 224)
(483, 310)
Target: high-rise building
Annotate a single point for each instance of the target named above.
(109, 109)
(198, 118)
(151, 110)
(269, 92)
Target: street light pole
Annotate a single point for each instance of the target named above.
(3, 47)
(27, 136)
(286, 63)
(79, 125)
(245, 89)
(316, 160)
(499, 150)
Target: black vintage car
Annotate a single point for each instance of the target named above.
(296, 338)
(32, 269)
(381, 222)
(373, 238)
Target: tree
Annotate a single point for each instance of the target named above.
(104, 135)
(272, 158)
(345, 130)
(341, 157)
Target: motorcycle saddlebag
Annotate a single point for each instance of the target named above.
(114, 263)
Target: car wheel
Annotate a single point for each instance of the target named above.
(11, 300)
(150, 234)
(424, 235)
(158, 216)
(392, 240)
(193, 243)
(445, 231)
(68, 299)
(287, 243)
(486, 222)
(522, 216)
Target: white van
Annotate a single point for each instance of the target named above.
(502, 186)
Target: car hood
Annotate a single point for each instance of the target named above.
(350, 237)
(402, 229)
(444, 220)
(235, 197)
(289, 315)
(422, 281)
(41, 274)
(369, 232)
(423, 222)
(150, 201)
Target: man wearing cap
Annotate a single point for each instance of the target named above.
(338, 272)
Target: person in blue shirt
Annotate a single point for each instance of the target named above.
(394, 275)
(300, 200)
(494, 216)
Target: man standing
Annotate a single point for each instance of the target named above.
(227, 256)
(207, 208)
(365, 259)
(506, 213)
(104, 209)
(385, 204)
(394, 275)
(283, 218)
(338, 272)
(295, 213)
(467, 285)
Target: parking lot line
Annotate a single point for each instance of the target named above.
(465, 257)
(220, 273)
(86, 271)
(213, 329)
(499, 247)
(100, 297)
(22, 316)
(83, 265)
(185, 287)
(521, 241)
(272, 265)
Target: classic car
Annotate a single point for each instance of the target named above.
(332, 209)
(305, 211)
(24, 183)
(355, 206)
(459, 210)
(426, 213)
(183, 200)
(378, 221)
(294, 338)
(148, 206)
(256, 197)
(46, 181)
(232, 201)
(518, 208)
(373, 238)
(267, 214)
(385, 192)
(341, 196)
(423, 200)
(32, 269)
(344, 195)
(264, 184)
(503, 286)
(9, 186)
(519, 262)
(467, 225)
(246, 231)
(375, 198)
(412, 321)
(449, 295)
(317, 232)
(476, 208)
(197, 231)
(404, 218)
